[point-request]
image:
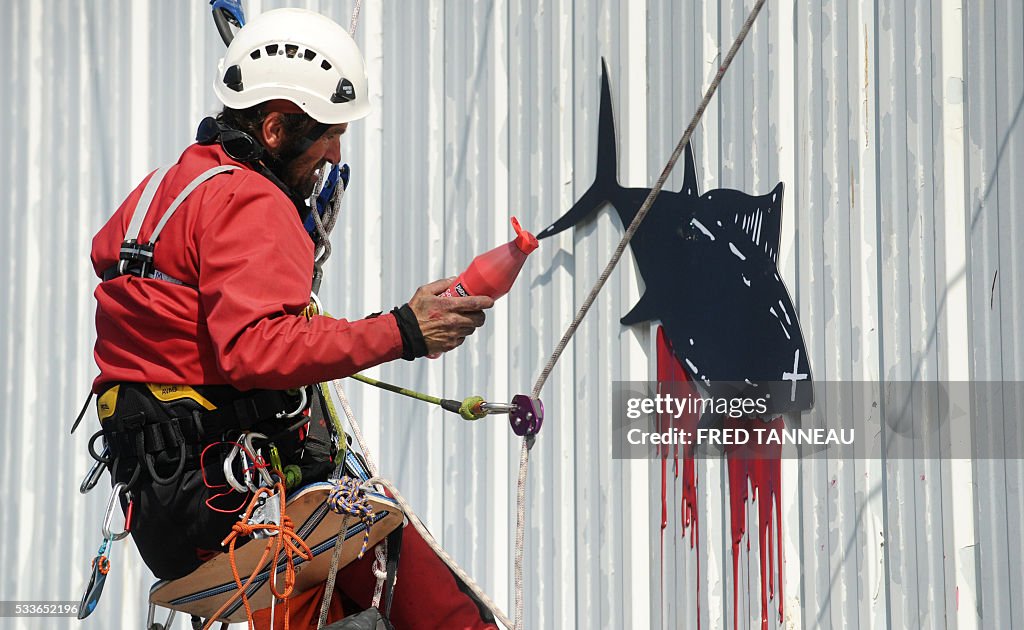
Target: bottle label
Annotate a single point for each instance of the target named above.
(456, 290)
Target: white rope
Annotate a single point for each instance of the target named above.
(355, 426)
(355, 18)
(441, 553)
(380, 571)
(528, 441)
(413, 519)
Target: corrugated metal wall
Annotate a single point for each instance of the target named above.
(894, 126)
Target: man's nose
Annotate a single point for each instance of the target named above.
(333, 153)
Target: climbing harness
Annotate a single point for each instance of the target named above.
(136, 258)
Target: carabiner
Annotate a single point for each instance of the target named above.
(115, 493)
(303, 403)
(95, 472)
(247, 439)
(243, 448)
(315, 299)
(490, 408)
(228, 466)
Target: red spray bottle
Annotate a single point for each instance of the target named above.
(492, 273)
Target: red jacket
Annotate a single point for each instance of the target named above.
(239, 240)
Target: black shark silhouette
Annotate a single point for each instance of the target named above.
(709, 265)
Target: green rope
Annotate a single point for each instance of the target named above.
(470, 408)
(398, 390)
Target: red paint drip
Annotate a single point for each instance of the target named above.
(755, 472)
(672, 379)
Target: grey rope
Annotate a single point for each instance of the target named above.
(355, 426)
(332, 571)
(649, 201)
(355, 18)
(324, 226)
(619, 250)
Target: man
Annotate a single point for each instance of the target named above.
(200, 333)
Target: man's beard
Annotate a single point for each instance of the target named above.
(304, 183)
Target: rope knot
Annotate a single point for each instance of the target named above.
(347, 498)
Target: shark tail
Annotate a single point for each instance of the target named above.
(605, 182)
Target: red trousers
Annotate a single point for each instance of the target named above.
(427, 595)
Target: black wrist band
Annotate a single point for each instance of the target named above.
(413, 343)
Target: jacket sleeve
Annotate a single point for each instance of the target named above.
(255, 268)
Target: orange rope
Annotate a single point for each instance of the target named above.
(283, 539)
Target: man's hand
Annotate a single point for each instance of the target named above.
(446, 321)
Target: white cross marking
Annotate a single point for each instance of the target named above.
(794, 375)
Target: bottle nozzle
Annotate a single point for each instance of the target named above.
(525, 241)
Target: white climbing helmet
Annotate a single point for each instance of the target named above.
(299, 56)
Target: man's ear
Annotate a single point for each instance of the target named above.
(273, 131)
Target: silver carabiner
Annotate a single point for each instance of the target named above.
(115, 493)
(315, 299)
(303, 403)
(489, 407)
(229, 473)
(95, 472)
(247, 439)
(241, 449)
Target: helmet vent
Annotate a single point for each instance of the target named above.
(272, 49)
(326, 65)
(291, 50)
(255, 54)
(308, 54)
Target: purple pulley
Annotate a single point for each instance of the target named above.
(528, 415)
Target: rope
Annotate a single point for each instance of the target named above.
(380, 571)
(585, 307)
(411, 393)
(470, 408)
(649, 201)
(355, 426)
(355, 18)
(347, 499)
(410, 514)
(332, 573)
(284, 539)
(433, 544)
